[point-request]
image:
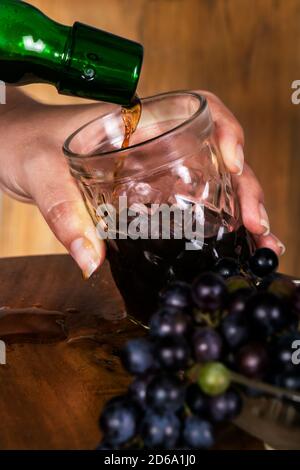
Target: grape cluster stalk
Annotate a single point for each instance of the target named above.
(234, 319)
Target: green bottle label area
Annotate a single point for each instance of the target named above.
(79, 60)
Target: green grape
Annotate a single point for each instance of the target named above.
(213, 378)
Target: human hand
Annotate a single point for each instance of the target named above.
(230, 137)
(34, 170)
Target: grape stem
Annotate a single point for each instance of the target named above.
(206, 318)
(137, 322)
(193, 372)
(264, 387)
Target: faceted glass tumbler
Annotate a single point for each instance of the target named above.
(173, 161)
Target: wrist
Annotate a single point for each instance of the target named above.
(15, 99)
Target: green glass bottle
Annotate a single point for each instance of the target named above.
(78, 60)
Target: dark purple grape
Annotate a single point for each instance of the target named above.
(237, 300)
(234, 403)
(252, 360)
(235, 330)
(218, 408)
(266, 313)
(172, 353)
(225, 407)
(138, 389)
(295, 301)
(207, 344)
(137, 356)
(165, 393)
(169, 322)
(196, 400)
(118, 421)
(209, 292)
(290, 381)
(227, 267)
(234, 327)
(198, 433)
(282, 352)
(160, 430)
(263, 262)
(177, 295)
(283, 358)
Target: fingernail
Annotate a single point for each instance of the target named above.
(239, 159)
(85, 256)
(281, 247)
(264, 219)
(92, 235)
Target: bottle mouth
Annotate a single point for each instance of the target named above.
(74, 147)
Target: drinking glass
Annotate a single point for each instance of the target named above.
(173, 162)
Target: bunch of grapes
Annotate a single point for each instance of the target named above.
(234, 318)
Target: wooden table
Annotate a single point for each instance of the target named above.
(62, 364)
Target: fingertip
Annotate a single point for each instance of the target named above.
(272, 242)
(91, 234)
(85, 255)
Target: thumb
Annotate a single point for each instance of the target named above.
(56, 194)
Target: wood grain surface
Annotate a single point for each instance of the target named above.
(52, 392)
(245, 51)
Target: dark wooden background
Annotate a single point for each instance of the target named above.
(245, 51)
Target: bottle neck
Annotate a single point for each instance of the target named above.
(99, 65)
(79, 60)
